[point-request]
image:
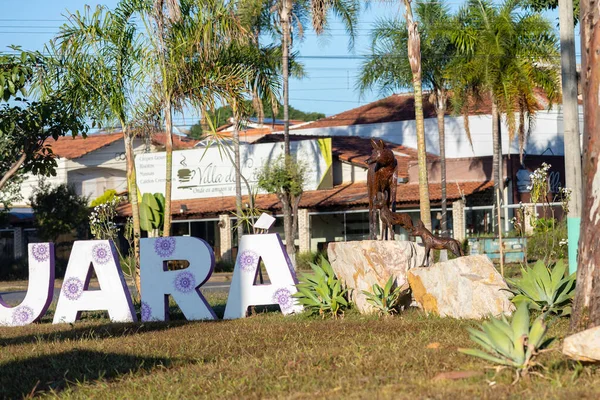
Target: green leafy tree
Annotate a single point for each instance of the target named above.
(285, 178)
(506, 55)
(24, 130)
(58, 210)
(544, 5)
(16, 71)
(388, 67)
(196, 131)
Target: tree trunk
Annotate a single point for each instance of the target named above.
(586, 305)
(286, 10)
(238, 177)
(12, 170)
(295, 204)
(571, 126)
(414, 58)
(497, 155)
(169, 161)
(133, 200)
(441, 112)
(288, 225)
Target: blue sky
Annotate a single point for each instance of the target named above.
(329, 87)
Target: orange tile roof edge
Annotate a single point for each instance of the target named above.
(353, 195)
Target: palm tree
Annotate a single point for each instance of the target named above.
(388, 67)
(264, 84)
(414, 60)
(191, 37)
(508, 56)
(280, 18)
(96, 60)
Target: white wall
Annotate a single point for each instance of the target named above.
(547, 133)
(91, 174)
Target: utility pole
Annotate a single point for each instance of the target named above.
(571, 126)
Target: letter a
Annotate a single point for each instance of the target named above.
(113, 295)
(243, 293)
(158, 282)
(40, 288)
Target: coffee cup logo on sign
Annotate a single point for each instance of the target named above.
(186, 175)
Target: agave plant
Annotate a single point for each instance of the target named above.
(321, 292)
(513, 344)
(384, 300)
(544, 290)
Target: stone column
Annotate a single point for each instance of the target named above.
(303, 230)
(458, 220)
(18, 243)
(226, 237)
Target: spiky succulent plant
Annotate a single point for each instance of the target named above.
(384, 300)
(513, 344)
(544, 290)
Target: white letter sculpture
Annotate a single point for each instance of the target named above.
(244, 293)
(40, 288)
(158, 282)
(113, 295)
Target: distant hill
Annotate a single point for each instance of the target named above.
(222, 114)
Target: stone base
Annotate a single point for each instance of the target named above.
(465, 287)
(361, 264)
(583, 346)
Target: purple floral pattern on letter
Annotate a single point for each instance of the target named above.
(146, 311)
(72, 288)
(164, 246)
(101, 253)
(41, 252)
(22, 315)
(248, 261)
(283, 297)
(184, 282)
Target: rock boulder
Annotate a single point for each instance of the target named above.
(361, 264)
(465, 287)
(583, 346)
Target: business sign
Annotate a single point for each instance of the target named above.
(210, 172)
(157, 283)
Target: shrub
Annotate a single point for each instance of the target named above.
(58, 210)
(106, 197)
(224, 266)
(384, 300)
(547, 243)
(544, 290)
(321, 293)
(515, 344)
(304, 259)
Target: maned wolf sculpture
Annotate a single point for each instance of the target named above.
(389, 218)
(435, 242)
(382, 177)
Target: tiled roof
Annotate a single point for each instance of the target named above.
(356, 150)
(74, 147)
(352, 195)
(398, 107)
(179, 142)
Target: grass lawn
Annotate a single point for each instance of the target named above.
(269, 356)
